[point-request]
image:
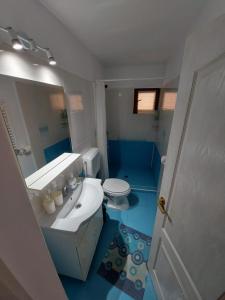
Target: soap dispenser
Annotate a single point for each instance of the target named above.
(57, 194)
(48, 202)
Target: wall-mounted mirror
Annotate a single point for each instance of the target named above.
(36, 119)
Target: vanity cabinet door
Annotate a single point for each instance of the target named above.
(63, 252)
(72, 253)
(87, 247)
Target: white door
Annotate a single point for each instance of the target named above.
(187, 258)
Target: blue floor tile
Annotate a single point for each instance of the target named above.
(136, 177)
(149, 290)
(140, 216)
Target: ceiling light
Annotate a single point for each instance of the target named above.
(51, 59)
(35, 65)
(16, 43)
(20, 42)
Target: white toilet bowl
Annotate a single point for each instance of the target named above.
(117, 191)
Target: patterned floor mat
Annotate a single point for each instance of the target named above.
(124, 264)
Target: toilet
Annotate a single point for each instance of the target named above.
(116, 190)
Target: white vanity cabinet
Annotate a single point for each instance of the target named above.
(72, 231)
(72, 252)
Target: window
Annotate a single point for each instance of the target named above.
(146, 100)
(169, 100)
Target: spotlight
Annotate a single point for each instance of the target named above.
(16, 43)
(51, 59)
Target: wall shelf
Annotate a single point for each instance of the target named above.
(44, 176)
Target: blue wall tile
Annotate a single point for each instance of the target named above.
(57, 149)
(135, 154)
(130, 153)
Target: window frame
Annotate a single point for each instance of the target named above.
(156, 104)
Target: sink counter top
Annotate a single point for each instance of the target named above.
(78, 207)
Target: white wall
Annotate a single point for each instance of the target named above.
(10, 288)
(137, 76)
(165, 123)
(23, 250)
(122, 123)
(32, 18)
(173, 67)
(134, 72)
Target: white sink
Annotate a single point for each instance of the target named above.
(84, 203)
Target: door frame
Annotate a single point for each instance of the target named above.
(101, 125)
(192, 63)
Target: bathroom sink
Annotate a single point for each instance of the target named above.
(82, 204)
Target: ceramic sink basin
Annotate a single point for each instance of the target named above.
(83, 203)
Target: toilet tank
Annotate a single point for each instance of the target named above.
(91, 161)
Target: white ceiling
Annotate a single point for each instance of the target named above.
(120, 32)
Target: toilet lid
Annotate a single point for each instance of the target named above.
(116, 186)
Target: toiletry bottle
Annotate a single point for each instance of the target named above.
(48, 202)
(57, 194)
(63, 185)
(72, 182)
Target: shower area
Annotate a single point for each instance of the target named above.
(137, 162)
(138, 128)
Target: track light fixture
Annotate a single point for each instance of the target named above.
(16, 43)
(19, 42)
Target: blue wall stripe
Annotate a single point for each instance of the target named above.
(130, 153)
(57, 149)
(135, 154)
